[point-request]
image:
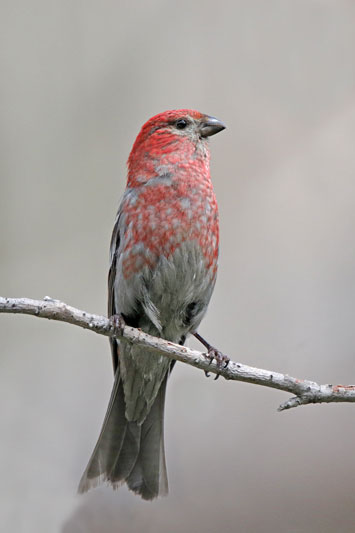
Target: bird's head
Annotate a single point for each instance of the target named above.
(172, 137)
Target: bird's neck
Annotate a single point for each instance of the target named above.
(178, 160)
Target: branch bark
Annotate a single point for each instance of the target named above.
(304, 391)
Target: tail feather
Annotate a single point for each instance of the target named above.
(126, 457)
(149, 477)
(130, 452)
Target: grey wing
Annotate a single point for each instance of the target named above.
(112, 304)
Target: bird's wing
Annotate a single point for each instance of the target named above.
(112, 307)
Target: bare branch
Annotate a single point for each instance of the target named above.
(305, 392)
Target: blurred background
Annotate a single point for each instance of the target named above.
(78, 79)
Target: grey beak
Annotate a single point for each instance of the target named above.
(210, 126)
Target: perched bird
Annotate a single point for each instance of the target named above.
(164, 252)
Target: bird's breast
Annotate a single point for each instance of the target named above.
(160, 218)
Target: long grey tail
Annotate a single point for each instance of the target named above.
(127, 452)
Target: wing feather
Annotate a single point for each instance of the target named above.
(112, 304)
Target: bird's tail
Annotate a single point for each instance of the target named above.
(128, 452)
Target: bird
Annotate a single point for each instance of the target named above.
(163, 266)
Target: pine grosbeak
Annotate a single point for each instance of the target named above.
(164, 252)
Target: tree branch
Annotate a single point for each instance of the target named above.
(305, 391)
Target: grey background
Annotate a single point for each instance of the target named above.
(78, 79)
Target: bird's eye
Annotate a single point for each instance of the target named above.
(181, 124)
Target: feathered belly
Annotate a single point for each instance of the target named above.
(168, 301)
(173, 294)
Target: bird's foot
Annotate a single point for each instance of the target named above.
(221, 359)
(213, 354)
(117, 325)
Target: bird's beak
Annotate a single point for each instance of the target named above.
(210, 125)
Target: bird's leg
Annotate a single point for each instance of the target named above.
(117, 324)
(213, 353)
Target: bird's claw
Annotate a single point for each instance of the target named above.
(219, 357)
(117, 324)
